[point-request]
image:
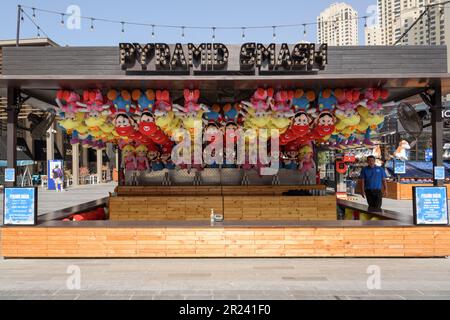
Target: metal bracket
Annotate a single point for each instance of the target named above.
(429, 97)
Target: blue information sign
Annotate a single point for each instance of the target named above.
(399, 167)
(10, 175)
(439, 173)
(55, 170)
(428, 155)
(430, 205)
(20, 206)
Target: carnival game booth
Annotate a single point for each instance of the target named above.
(417, 173)
(167, 108)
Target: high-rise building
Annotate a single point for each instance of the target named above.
(372, 36)
(338, 25)
(397, 16)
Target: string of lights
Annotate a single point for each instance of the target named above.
(38, 27)
(183, 28)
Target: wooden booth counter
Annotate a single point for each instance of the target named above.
(147, 239)
(240, 203)
(404, 191)
(401, 191)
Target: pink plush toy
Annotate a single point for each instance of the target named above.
(348, 99)
(93, 100)
(261, 99)
(68, 101)
(141, 158)
(191, 100)
(283, 101)
(163, 102)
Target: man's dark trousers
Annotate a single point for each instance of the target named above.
(374, 198)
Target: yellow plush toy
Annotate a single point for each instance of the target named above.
(369, 119)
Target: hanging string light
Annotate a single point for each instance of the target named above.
(332, 23)
(38, 32)
(21, 15)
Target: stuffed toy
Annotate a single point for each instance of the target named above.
(166, 156)
(302, 100)
(347, 121)
(306, 155)
(71, 121)
(153, 157)
(402, 151)
(213, 114)
(68, 101)
(191, 101)
(192, 112)
(121, 101)
(145, 100)
(261, 99)
(94, 120)
(253, 118)
(141, 158)
(290, 156)
(369, 118)
(163, 102)
(123, 125)
(230, 113)
(324, 119)
(299, 129)
(283, 101)
(93, 100)
(148, 128)
(129, 163)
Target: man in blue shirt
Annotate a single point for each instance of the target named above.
(373, 184)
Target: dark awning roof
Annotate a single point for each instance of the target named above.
(23, 152)
(40, 151)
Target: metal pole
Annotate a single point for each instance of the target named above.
(437, 126)
(19, 14)
(11, 133)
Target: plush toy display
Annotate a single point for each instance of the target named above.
(146, 120)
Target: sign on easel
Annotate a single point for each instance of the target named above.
(399, 167)
(430, 206)
(20, 206)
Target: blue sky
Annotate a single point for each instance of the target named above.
(173, 12)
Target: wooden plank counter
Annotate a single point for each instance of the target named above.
(263, 207)
(238, 239)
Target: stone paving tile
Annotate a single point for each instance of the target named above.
(427, 297)
(435, 292)
(226, 297)
(308, 297)
(168, 297)
(385, 297)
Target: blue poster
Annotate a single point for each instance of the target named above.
(55, 174)
(430, 206)
(20, 206)
(439, 173)
(428, 155)
(10, 175)
(399, 167)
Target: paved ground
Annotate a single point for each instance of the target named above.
(218, 278)
(225, 279)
